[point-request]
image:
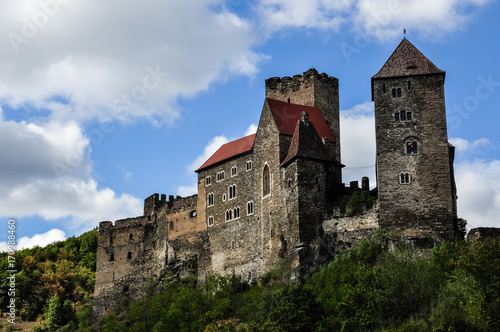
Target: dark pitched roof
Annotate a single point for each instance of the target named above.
(407, 60)
(286, 116)
(230, 150)
(306, 143)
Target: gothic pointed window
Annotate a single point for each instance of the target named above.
(266, 181)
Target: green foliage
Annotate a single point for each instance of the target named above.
(62, 270)
(461, 228)
(354, 204)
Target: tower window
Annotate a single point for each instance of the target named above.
(232, 244)
(129, 255)
(130, 237)
(405, 178)
(210, 221)
(210, 199)
(402, 116)
(208, 180)
(236, 213)
(411, 148)
(171, 226)
(250, 208)
(383, 88)
(266, 182)
(396, 93)
(249, 165)
(229, 215)
(234, 171)
(112, 257)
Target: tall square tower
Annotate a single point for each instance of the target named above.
(414, 159)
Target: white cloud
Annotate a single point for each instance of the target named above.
(134, 59)
(479, 192)
(46, 172)
(357, 139)
(41, 240)
(465, 146)
(252, 129)
(382, 19)
(279, 14)
(213, 145)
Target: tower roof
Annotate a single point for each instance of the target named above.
(230, 150)
(407, 60)
(286, 116)
(306, 143)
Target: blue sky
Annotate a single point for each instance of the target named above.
(103, 103)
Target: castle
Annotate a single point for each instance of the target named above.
(270, 196)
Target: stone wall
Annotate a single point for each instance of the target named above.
(347, 231)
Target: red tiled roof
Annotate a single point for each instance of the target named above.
(229, 150)
(307, 144)
(407, 60)
(286, 116)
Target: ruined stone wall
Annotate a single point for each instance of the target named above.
(135, 249)
(181, 216)
(310, 89)
(126, 256)
(427, 201)
(347, 231)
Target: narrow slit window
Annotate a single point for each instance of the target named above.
(266, 182)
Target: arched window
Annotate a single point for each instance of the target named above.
(266, 181)
(210, 199)
(411, 148)
(232, 191)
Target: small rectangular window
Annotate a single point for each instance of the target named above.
(208, 180)
(249, 165)
(210, 221)
(405, 178)
(396, 116)
(129, 255)
(234, 171)
(233, 245)
(408, 116)
(403, 116)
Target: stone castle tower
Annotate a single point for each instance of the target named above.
(414, 159)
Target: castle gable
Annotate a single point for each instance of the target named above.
(230, 150)
(306, 143)
(407, 60)
(286, 116)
